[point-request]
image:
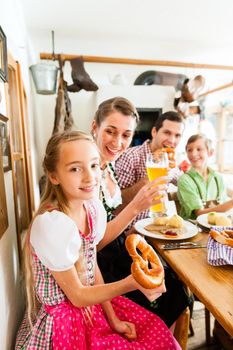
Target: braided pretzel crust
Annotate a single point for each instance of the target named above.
(223, 237)
(147, 276)
(170, 153)
(171, 156)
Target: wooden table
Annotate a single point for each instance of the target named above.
(213, 285)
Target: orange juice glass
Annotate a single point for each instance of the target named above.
(157, 167)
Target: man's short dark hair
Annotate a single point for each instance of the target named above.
(171, 115)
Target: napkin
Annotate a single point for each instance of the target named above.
(219, 254)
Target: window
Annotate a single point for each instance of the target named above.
(222, 121)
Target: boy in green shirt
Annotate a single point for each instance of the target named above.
(201, 189)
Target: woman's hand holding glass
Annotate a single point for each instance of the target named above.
(151, 194)
(157, 167)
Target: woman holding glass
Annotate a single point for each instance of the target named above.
(113, 127)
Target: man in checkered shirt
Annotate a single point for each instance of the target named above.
(130, 167)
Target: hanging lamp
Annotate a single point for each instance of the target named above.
(45, 75)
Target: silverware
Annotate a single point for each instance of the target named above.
(183, 245)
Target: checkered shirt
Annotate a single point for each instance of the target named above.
(130, 167)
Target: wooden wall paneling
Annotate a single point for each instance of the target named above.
(3, 205)
(19, 173)
(26, 140)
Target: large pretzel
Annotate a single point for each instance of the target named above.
(171, 156)
(223, 236)
(146, 268)
(170, 153)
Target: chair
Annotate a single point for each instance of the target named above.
(182, 328)
(172, 196)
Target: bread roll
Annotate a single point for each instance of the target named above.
(212, 218)
(160, 220)
(222, 220)
(175, 221)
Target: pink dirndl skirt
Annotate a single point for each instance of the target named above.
(73, 330)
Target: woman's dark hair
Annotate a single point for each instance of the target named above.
(119, 104)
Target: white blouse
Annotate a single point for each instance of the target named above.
(56, 240)
(115, 200)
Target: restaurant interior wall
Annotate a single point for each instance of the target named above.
(42, 109)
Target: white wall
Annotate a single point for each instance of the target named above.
(12, 301)
(84, 103)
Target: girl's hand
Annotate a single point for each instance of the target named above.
(152, 294)
(124, 327)
(150, 194)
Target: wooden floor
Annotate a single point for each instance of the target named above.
(197, 342)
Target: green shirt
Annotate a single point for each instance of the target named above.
(191, 198)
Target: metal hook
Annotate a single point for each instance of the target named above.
(53, 54)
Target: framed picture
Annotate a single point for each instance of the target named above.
(3, 56)
(4, 143)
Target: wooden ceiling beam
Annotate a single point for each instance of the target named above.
(100, 59)
(222, 87)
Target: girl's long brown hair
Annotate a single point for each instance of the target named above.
(53, 196)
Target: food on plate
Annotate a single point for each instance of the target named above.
(211, 217)
(175, 221)
(146, 267)
(160, 220)
(223, 236)
(222, 220)
(171, 234)
(168, 226)
(218, 219)
(165, 222)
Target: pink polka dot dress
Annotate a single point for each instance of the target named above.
(59, 325)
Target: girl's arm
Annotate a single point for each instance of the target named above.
(82, 296)
(121, 326)
(218, 208)
(144, 199)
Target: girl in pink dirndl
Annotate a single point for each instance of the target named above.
(69, 306)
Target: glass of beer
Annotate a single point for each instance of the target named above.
(157, 166)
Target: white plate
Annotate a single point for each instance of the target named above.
(190, 230)
(203, 219)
